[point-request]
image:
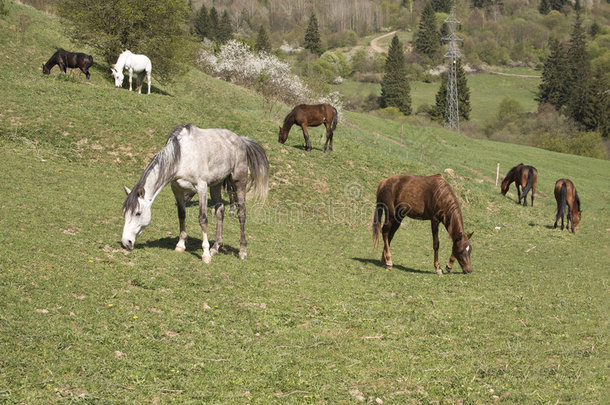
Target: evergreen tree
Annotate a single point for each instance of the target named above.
(601, 101)
(427, 38)
(262, 40)
(225, 29)
(544, 7)
(580, 92)
(214, 23)
(395, 89)
(442, 6)
(553, 88)
(202, 23)
(558, 4)
(312, 36)
(464, 107)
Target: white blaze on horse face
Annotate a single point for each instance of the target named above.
(135, 222)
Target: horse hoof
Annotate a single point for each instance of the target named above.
(439, 271)
(243, 255)
(213, 252)
(206, 259)
(448, 269)
(179, 249)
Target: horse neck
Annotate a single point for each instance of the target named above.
(161, 170)
(454, 224)
(288, 122)
(121, 62)
(51, 62)
(449, 210)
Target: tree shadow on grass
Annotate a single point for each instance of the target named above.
(396, 266)
(193, 246)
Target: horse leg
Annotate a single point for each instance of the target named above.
(331, 140)
(557, 215)
(569, 220)
(140, 81)
(130, 75)
(219, 207)
(306, 136)
(232, 196)
(148, 80)
(202, 190)
(532, 198)
(241, 214)
(518, 193)
(328, 137)
(180, 203)
(435, 244)
(387, 232)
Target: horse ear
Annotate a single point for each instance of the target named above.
(127, 191)
(469, 235)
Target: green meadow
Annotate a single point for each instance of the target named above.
(312, 316)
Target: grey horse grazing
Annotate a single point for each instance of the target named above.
(193, 159)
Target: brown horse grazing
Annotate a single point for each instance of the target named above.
(426, 198)
(565, 194)
(525, 177)
(65, 59)
(305, 115)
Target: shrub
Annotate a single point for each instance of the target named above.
(236, 63)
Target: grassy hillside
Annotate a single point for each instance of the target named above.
(311, 316)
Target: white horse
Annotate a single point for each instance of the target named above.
(193, 159)
(133, 63)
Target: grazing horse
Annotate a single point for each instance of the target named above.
(193, 159)
(305, 115)
(525, 177)
(565, 194)
(425, 198)
(72, 60)
(133, 63)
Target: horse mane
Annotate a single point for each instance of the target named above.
(289, 120)
(577, 199)
(164, 162)
(446, 204)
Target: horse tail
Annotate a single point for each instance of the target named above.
(562, 200)
(377, 217)
(259, 168)
(530, 182)
(335, 120)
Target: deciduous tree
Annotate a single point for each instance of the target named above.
(156, 28)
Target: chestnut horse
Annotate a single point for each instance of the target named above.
(425, 198)
(305, 115)
(525, 177)
(65, 59)
(565, 194)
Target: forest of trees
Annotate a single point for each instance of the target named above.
(568, 40)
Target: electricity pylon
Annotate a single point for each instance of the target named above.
(452, 112)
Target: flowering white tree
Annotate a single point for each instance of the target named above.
(264, 72)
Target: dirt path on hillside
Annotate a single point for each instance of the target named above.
(375, 42)
(512, 74)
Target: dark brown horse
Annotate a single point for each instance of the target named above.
(65, 59)
(525, 178)
(426, 198)
(565, 194)
(305, 115)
